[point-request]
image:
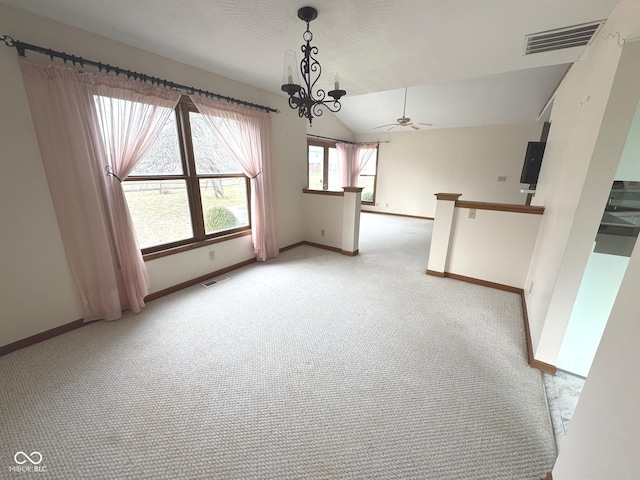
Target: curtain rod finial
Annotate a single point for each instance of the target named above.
(8, 41)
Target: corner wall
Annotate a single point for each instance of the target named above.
(38, 292)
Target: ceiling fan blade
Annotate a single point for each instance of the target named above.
(394, 126)
(425, 124)
(387, 125)
(414, 127)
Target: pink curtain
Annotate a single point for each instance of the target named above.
(352, 159)
(246, 134)
(130, 118)
(70, 115)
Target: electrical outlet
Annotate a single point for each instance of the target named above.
(472, 213)
(322, 232)
(212, 255)
(502, 178)
(386, 205)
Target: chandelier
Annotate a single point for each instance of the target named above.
(302, 97)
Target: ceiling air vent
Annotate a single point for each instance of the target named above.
(575, 36)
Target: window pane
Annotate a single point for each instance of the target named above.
(160, 211)
(370, 167)
(335, 183)
(316, 167)
(224, 203)
(163, 158)
(210, 155)
(367, 183)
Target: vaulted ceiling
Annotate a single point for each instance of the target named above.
(463, 60)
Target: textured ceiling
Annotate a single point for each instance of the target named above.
(464, 58)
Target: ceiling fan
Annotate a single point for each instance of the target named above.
(405, 121)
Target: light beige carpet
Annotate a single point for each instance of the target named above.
(309, 366)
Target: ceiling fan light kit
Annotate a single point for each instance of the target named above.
(405, 121)
(302, 97)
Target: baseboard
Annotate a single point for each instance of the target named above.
(39, 337)
(545, 367)
(324, 247)
(67, 327)
(289, 247)
(435, 274)
(477, 281)
(398, 214)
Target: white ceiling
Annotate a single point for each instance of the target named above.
(463, 59)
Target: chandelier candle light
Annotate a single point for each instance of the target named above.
(302, 97)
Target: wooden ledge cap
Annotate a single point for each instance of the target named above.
(323, 192)
(448, 196)
(353, 189)
(501, 207)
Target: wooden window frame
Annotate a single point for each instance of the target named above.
(375, 180)
(326, 145)
(192, 180)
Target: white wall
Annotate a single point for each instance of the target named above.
(174, 269)
(494, 246)
(328, 125)
(590, 121)
(37, 291)
(323, 212)
(415, 165)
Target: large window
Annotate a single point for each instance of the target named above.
(186, 188)
(323, 170)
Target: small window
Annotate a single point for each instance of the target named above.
(323, 168)
(368, 176)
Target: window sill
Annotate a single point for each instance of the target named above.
(323, 192)
(192, 246)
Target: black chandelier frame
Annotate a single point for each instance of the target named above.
(301, 97)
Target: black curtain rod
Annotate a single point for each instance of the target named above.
(21, 47)
(344, 141)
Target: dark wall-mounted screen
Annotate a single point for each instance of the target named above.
(532, 163)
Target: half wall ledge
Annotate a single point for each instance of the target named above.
(448, 196)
